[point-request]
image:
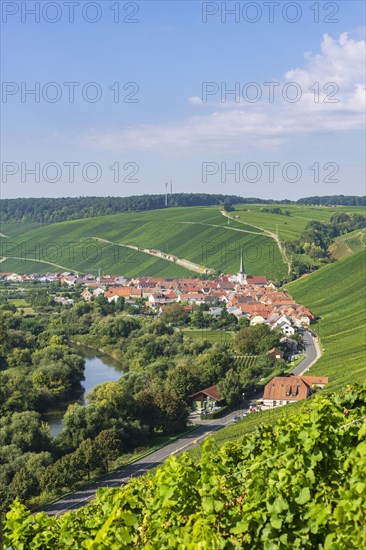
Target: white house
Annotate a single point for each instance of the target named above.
(214, 312)
(63, 300)
(235, 311)
(284, 323)
(98, 291)
(14, 277)
(286, 328)
(256, 320)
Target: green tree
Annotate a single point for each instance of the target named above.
(175, 314)
(230, 388)
(108, 448)
(173, 412)
(198, 319)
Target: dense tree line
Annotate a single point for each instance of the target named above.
(52, 210)
(36, 368)
(318, 236)
(334, 200)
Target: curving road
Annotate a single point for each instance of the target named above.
(82, 496)
(312, 353)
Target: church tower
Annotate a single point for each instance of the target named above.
(242, 278)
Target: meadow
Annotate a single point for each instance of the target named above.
(224, 336)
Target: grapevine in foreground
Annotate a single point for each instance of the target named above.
(300, 484)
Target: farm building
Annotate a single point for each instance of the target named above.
(282, 390)
(207, 399)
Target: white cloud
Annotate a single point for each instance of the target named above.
(195, 100)
(236, 125)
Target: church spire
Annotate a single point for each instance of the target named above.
(242, 278)
(241, 269)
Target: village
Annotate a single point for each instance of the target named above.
(244, 296)
(251, 296)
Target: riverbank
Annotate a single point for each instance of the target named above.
(96, 350)
(99, 368)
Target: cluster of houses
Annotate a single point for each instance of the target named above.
(253, 297)
(250, 296)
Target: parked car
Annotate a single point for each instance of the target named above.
(236, 418)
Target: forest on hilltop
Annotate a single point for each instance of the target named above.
(53, 210)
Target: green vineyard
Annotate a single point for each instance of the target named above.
(245, 361)
(298, 484)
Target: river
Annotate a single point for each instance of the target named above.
(98, 369)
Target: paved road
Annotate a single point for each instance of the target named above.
(81, 497)
(312, 353)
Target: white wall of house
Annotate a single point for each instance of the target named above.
(270, 404)
(256, 320)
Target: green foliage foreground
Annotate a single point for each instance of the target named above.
(299, 484)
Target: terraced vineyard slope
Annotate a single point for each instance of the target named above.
(349, 244)
(162, 241)
(337, 295)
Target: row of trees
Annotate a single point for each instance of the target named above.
(51, 210)
(275, 210)
(334, 200)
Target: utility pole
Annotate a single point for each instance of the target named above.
(166, 194)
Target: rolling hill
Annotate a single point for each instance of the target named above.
(337, 295)
(348, 244)
(162, 241)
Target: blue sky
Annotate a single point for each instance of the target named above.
(314, 145)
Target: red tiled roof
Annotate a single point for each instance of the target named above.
(291, 388)
(122, 291)
(256, 280)
(315, 380)
(212, 392)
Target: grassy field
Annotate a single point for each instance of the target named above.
(210, 335)
(201, 235)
